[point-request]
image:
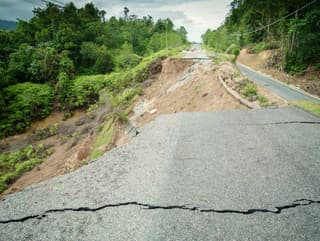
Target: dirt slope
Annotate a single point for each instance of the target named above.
(183, 86)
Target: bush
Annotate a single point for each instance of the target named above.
(294, 65)
(250, 90)
(127, 61)
(23, 103)
(233, 49)
(264, 46)
(263, 101)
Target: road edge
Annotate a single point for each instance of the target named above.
(235, 95)
(280, 82)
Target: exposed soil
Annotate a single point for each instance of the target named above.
(266, 62)
(183, 86)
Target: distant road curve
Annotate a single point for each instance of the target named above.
(283, 90)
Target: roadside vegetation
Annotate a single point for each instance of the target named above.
(62, 57)
(309, 106)
(13, 164)
(250, 24)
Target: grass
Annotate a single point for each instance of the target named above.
(104, 139)
(250, 90)
(263, 101)
(309, 106)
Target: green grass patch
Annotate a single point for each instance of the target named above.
(14, 164)
(249, 90)
(104, 139)
(263, 101)
(309, 106)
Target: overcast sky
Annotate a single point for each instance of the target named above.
(196, 15)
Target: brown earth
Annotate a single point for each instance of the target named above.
(267, 62)
(181, 86)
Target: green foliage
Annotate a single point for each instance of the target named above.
(85, 90)
(104, 139)
(158, 41)
(43, 133)
(233, 49)
(250, 90)
(19, 62)
(263, 46)
(95, 59)
(23, 103)
(58, 44)
(263, 101)
(248, 24)
(127, 61)
(14, 164)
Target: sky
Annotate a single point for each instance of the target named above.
(195, 15)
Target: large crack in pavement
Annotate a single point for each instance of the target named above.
(288, 122)
(277, 210)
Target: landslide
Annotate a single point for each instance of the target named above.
(176, 85)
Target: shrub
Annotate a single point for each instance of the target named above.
(84, 90)
(262, 100)
(23, 103)
(127, 61)
(250, 90)
(233, 49)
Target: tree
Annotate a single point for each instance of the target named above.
(126, 12)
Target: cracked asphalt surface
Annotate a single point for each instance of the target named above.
(227, 175)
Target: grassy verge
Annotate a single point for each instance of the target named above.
(309, 106)
(14, 164)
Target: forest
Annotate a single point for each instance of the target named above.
(44, 60)
(292, 26)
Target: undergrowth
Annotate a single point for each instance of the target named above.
(14, 164)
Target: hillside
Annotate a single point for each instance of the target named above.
(7, 25)
(290, 27)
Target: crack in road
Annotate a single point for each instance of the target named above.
(283, 123)
(277, 210)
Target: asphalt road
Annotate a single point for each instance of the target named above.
(196, 53)
(227, 175)
(277, 87)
